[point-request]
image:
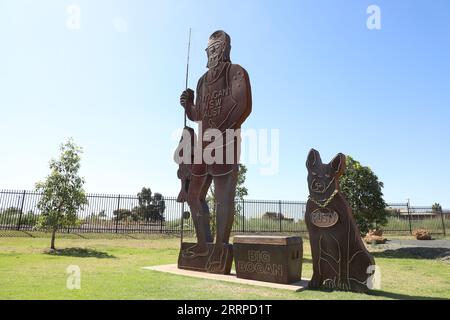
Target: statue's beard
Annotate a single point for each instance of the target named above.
(213, 60)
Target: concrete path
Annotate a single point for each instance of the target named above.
(173, 269)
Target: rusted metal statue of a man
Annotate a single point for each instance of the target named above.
(222, 104)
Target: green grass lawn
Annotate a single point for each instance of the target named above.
(111, 269)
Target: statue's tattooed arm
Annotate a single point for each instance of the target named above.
(241, 91)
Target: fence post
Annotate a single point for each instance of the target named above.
(243, 216)
(443, 222)
(161, 224)
(118, 213)
(19, 223)
(409, 217)
(182, 224)
(279, 212)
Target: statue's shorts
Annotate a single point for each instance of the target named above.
(215, 169)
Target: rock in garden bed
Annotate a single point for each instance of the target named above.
(375, 236)
(422, 234)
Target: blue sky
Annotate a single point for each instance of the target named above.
(318, 74)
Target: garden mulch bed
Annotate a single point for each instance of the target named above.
(427, 249)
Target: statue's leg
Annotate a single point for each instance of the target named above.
(206, 221)
(225, 190)
(225, 187)
(316, 280)
(198, 188)
(205, 209)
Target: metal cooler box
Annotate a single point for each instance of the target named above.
(276, 259)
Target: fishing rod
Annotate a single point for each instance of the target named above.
(187, 71)
(185, 123)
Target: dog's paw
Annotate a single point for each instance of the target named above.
(329, 284)
(344, 285)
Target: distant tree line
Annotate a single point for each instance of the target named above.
(150, 209)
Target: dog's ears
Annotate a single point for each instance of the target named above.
(338, 164)
(313, 159)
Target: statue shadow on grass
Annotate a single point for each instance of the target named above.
(442, 254)
(80, 253)
(307, 260)
(415, 253)
(411, 253)
(399, 296)
(385, 294)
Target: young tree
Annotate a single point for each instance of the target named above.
(364, 193)
(241, 190)
(62, 191)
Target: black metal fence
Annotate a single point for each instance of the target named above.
(104, 214)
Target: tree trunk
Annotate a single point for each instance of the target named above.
(53, 239)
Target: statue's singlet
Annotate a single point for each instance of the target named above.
(215, 104)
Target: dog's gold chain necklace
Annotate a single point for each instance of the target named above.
(327, 202)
